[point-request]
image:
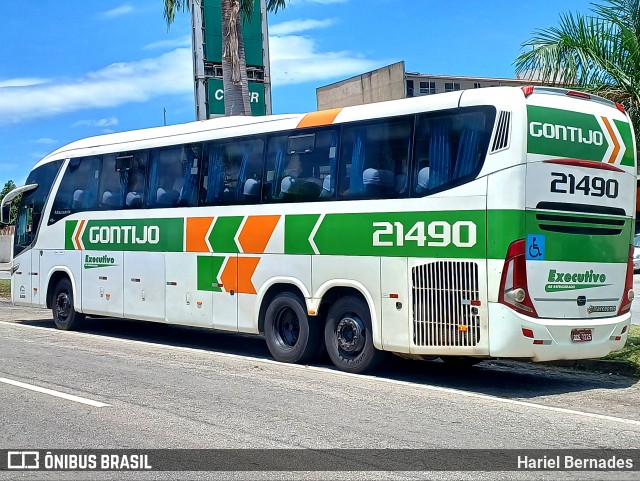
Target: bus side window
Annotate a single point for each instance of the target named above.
(374, 160)
(450, 148)
(111, 192)
(78, 189)
(173, 176)
(301, 167)
(232, 172)
(133, 180)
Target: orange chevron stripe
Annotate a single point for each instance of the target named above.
(237, 274)
(256, 233)
(76, 239)
(229, 276)
(246, 268)
(315, 119)
(616, 144)
(197, 228)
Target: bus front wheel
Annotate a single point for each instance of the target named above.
(349, 337)
(290, 335)
(65, 316)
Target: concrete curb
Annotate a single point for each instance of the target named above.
(622, 368)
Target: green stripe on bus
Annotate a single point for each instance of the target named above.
(150, 235)
(627, 137)
(69, 228)
(223, 234)
(297, 230)
(581, 247)
(208, 268)
(568, 134)
(504, 227)
(455, 234)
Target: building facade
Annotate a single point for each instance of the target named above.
(392, 82)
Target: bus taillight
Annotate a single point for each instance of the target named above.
(627, 293)
(527, 90)
(514, 291)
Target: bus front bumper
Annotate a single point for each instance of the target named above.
(553, 339)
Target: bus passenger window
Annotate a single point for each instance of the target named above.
(78, 189)
(374, 160)
(232, 172)
(450, 148)
(301, 168)
(173, 174)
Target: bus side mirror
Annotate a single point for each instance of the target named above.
(6, 212)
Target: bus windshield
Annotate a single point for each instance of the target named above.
(32, 204)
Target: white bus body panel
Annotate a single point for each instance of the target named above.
(507, 339)
(22, 279)
(144, 286)
(186, 304)
(102, 287)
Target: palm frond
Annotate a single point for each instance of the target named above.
(173, 6)
(598, 52)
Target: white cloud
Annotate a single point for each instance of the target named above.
(297, 26)
(294, 59)
(21, 82)
(169, 44)
(45, 141)
(109, 122)
(117, 12)
(117, 84)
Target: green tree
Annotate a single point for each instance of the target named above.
(234, 66)
(8, 187)
(598, 53)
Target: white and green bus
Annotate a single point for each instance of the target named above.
(473, 224)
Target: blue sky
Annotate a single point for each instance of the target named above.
(71, 69)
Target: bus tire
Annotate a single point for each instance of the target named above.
(65, 316)
(349, 337)
(290, 335)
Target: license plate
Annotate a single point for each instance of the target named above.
(581, 335)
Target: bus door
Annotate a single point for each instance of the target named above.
(23, 276)
(195, 292)
(144, 285)
(102, 276)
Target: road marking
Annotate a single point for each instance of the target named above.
(426, 387)
(51, 392)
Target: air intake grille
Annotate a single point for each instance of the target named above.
(501, 137)
(442, 312)
(581, 225)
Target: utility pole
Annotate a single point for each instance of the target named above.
(197, 42)
(164, 115)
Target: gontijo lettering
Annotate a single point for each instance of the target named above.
(565, 132)
(127, 234)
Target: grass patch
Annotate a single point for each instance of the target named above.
(5, 289)
(631, 351)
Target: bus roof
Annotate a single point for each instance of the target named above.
(237, 126)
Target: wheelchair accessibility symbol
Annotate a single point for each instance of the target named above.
(535, 247)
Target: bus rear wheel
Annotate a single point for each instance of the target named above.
(290, 335)
(65, 316)
(349, 337)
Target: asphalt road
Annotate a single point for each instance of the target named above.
(173, 387)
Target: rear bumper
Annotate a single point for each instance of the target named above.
(506, 338)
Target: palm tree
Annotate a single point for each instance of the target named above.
(598, 53)
(234, 66)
